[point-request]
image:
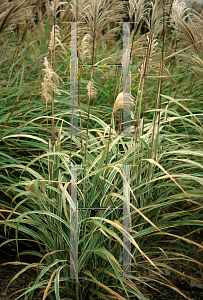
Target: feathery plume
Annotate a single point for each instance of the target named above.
(85, 47)
(132, 7)
(77, 9)
(100, 13)
(54, 40)
(14, 13)
(178, 9)
(46, 96)
(189, 32)
(55, 5)
(51, 81)
(139, 8)
(31, 187)
(123, 102)
(194, 60)
(158, 8)
(198, 61)
(93, 89)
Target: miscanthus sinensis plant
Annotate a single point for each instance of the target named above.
(164, 148)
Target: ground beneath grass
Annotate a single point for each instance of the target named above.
(190, 288)
(164, 293)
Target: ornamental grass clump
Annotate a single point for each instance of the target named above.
(163, 150)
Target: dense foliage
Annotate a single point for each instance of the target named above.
(164, 148)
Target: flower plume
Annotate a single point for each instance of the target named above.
(123, 102)
(91, 89)
(55, 38)
(51, 81)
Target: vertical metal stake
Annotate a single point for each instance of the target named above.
(74, 131)
(126, 168)
(126, 221)
(74, 226)
(126, 78)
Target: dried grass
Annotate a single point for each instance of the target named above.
(14, 14)
(123, 102)
(50, 84)
(92, 92)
